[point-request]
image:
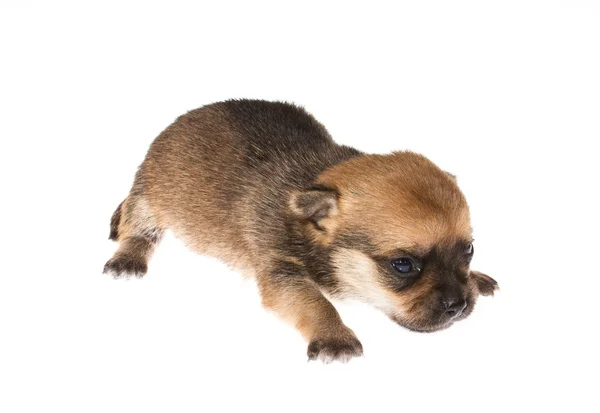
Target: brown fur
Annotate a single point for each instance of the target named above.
(402, 198)
(262, 186)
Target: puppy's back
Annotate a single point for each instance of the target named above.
(220, 171)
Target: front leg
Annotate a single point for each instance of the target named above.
(298, 300)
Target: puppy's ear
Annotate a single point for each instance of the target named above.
(486, 284)
(452, 176)
(316, 205)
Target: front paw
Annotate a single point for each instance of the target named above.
(486, 284)
(125, 266)
(341, 347)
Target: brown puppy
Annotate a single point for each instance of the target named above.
(262, 186)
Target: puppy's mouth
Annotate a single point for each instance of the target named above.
(422, 327)
(433, 323)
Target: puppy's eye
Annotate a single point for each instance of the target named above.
(470, 250)
(406, 266)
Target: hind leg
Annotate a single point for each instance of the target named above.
(138, 233)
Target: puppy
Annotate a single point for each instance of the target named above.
(262, 186)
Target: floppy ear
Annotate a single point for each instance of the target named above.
(316, 205)
(452, 176)
(486, 284)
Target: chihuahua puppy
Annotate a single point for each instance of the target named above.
(262, 186)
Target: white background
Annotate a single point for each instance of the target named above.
(506, 95)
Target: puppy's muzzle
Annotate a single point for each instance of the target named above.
(455, 308)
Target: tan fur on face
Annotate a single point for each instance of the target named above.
(403, 200)
(358, 275)
(360, 280)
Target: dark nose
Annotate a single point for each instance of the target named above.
(455, 308)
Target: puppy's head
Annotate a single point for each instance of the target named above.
(397, 232)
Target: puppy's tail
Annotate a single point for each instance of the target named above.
(114, 223)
